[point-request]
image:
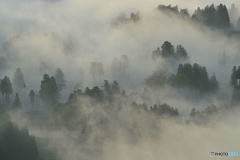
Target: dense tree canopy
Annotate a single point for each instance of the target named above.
(187, 76)
(215, 17)
(212, 16)
(193, 76)
(15, 143)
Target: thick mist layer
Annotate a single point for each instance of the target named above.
(80, 70)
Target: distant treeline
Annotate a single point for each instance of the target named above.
(215, 17)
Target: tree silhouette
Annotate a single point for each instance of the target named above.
(216, 17)
(48, 90)
(15, 143)
(167, 51)
(6, 88)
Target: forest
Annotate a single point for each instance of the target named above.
(132, 81)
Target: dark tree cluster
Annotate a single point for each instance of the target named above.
(168, 51)
(187, 76)
(98, 93)
(216, 17)
(16, 143)
(173, 10)
(68, 113)
(49, 91)
(164, 109)
(235, 77)
(195, 77)
(6, 89)
(159, 110)
(235, 83)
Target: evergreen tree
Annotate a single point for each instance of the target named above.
(6, 88)
(215, 17)
(167, 49)
(48, 90)
(223, 19)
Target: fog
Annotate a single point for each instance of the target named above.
(92, 41)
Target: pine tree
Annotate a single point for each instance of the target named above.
(48, 90)
(6, 88)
